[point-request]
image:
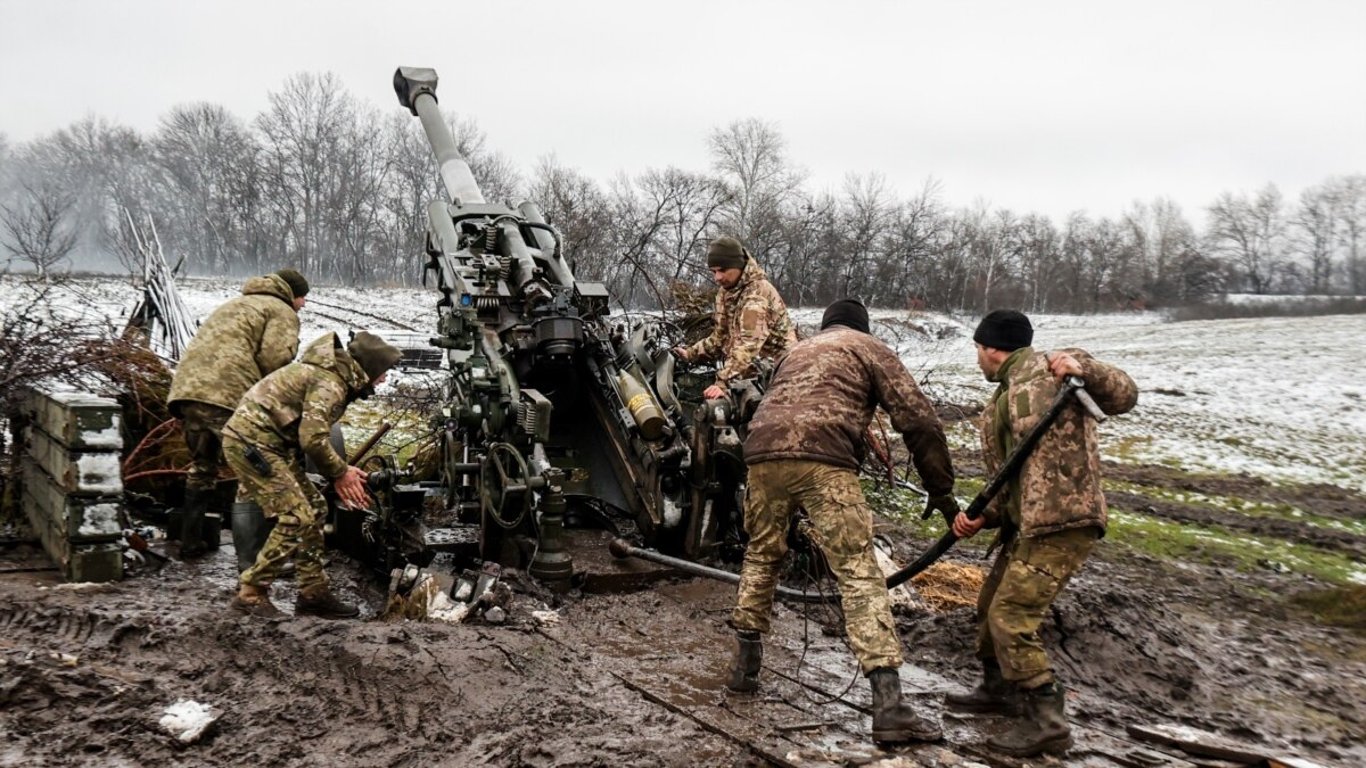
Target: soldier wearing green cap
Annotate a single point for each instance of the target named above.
(242, 341)
(751, 319)
(285, 417)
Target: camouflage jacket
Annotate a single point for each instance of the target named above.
(750, 322)
(295, 407)
(822, 398)
(242, 341)
(1059, 485)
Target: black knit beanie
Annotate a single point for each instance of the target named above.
(375, 355)
(297, 284)
(726, 253)
(1004, 329)
(849, 313)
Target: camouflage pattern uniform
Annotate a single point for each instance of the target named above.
(750, 322)
(242, 341)
(1052, 513)
(803, 449)
(287, 416)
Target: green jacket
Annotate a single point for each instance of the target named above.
(295, 407)
(750, 322)
(1059, 485)
(242, 341)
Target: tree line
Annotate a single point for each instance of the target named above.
(333, 186)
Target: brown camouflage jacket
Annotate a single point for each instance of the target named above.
(750, 322)
(822, 398)
(1059, 485)
(242, 341)
(295, 407)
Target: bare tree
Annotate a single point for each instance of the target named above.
(38, 227)
(577, 207)
(205, 155)
(1248, 232)
(1350, 193)
(868, 211)
(751, 157)
(689, 203)
(303, 135)
(1315, 224)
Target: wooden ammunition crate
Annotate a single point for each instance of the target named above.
(72, 490)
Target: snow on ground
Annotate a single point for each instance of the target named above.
(1276, 398)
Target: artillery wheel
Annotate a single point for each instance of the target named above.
(504, 475)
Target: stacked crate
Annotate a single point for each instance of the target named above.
(72, 486)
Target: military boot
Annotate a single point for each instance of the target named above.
(744, 668)
(894, 722)
(192, 523)
(992, 696)
(324, 605)
(254, 601)
(1043, 728)
(249, 531)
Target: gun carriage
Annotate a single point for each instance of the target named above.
(555, 412)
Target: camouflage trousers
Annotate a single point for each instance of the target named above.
(842, 526)
(299, 511)
(203, 427)
(1027, 576)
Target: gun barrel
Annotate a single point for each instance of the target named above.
(416, 89)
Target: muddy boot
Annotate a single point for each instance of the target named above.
(249, 531)
(744, 668)
(1043, 728)
(992, 696)
(324, 605)
(254, 601)
(894, 722)
(192, 524)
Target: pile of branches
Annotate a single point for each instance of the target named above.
(48, 340)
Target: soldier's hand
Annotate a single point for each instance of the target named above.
(681, 352)
(945, 504)
(714, 392)
(964, 528)
(351, 488)
(1062, 365)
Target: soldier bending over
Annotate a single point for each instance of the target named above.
(285, 417)
(804, 448)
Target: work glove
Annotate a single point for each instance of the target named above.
(945, 504)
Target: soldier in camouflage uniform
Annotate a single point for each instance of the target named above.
(242, 341)
(285, 417)
(803, 449)
(1051, 516)
(751, 319)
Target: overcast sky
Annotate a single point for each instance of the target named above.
(1034, 106)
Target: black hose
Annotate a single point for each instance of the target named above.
(621, 549)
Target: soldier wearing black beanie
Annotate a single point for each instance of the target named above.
(1004, 329)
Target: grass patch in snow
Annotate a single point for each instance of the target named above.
(1237, 505)
(1211, 544)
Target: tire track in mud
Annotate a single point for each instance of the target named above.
(333, 315)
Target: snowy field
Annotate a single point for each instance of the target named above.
(1276, 398)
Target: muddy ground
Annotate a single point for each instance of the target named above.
(634, 678)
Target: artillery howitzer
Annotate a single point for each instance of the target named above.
(554, 412)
